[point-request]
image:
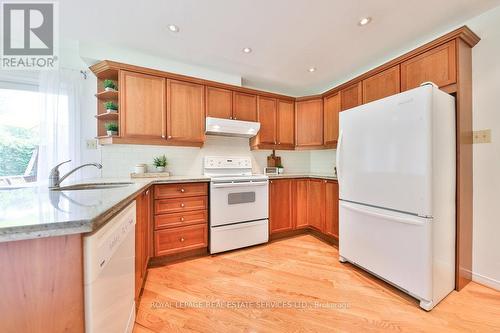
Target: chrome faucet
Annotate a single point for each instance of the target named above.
(55, 180)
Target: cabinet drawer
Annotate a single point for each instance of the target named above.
(180, 219)
(176, 205)
(180, 190)
(180, 239)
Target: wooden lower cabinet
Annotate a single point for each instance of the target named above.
(143, 239)
(280, 206)
(180, 218)
(175, 240)
(300, 203)
(303, 203)
(332, 209)
(316, 204)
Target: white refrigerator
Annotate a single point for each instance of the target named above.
(396, 173)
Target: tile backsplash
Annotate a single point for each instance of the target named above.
(119, 160)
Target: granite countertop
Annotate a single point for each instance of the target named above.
(33, 212)
(303, 175)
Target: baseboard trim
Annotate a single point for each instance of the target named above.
(486, 281)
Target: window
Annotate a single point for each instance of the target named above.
(19, 133)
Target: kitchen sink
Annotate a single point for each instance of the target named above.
(92, 186)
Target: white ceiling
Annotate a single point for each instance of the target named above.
(287, 36)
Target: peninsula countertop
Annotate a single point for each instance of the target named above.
(34, 212)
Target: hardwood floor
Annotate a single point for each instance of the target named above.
(318, 294)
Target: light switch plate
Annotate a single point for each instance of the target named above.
(483, 136)
(91, 144)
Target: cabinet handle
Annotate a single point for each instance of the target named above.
(279, 142)
(146, 193)
(230, 117)
(182, 205)
(182, 239)
(271, 181)
(163, 136)
(324, 181)
(182, 219)
(182, 190)
(235, 118)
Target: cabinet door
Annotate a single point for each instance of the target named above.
(331, 119)
(244, 106)
(300, 203)
(437, 65)
(351, 96)
(185, 111)
(286, 124)
(315, 204)
(332, 209)
(381, 85)
(280, 206)
(267, 119)
(219, 102)
(142, 106)
(309, 124)
(143, 238)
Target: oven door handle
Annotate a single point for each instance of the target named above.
(243, 184)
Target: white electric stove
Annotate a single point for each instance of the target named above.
(238, 204)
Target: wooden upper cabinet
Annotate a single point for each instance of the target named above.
(142, 106)
(244, 106)
(309, 123)
(300, 189)
(381, 85)
(219, 102)
(280, 205)
(332, 209)
(315, 204)
(331, 105)
(286, 124)
(267, 118)
(185, 111)
(437, 65)
(351, 96)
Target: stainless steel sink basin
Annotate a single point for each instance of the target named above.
(92, 186)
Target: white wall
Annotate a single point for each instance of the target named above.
(322, 161)
(119, 160)
(486, 113)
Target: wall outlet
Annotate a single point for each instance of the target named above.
(483, 136)
(91, 144)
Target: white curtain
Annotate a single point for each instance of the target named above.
(60, 120)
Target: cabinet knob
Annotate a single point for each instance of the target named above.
(279, 142)
(182, 219)
(324, 181)
(182, 190)
(169, 137)
(182, 239)
(235, 118)
(230, 117)
(163, 136)
(146, 193)
(271, 181)
(182, 205)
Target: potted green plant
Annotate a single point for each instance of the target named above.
(160, 162)
(109, 85)
(280, 169)
(111, 107)
(111, 129)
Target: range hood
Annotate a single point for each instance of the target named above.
(227, 127)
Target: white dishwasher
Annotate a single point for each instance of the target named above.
(109, 275)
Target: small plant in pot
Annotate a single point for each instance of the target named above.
(109, 85)
(160, 162)
(281, 169)
(111, 129)
(111, 107)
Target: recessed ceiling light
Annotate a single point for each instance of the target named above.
(364, 21)
(247, 50)
(173, 28)
(312, 69)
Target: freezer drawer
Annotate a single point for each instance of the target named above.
(235, 236)
(397, 247)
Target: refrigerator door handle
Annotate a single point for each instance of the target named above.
(393, 218)
(339, 148)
